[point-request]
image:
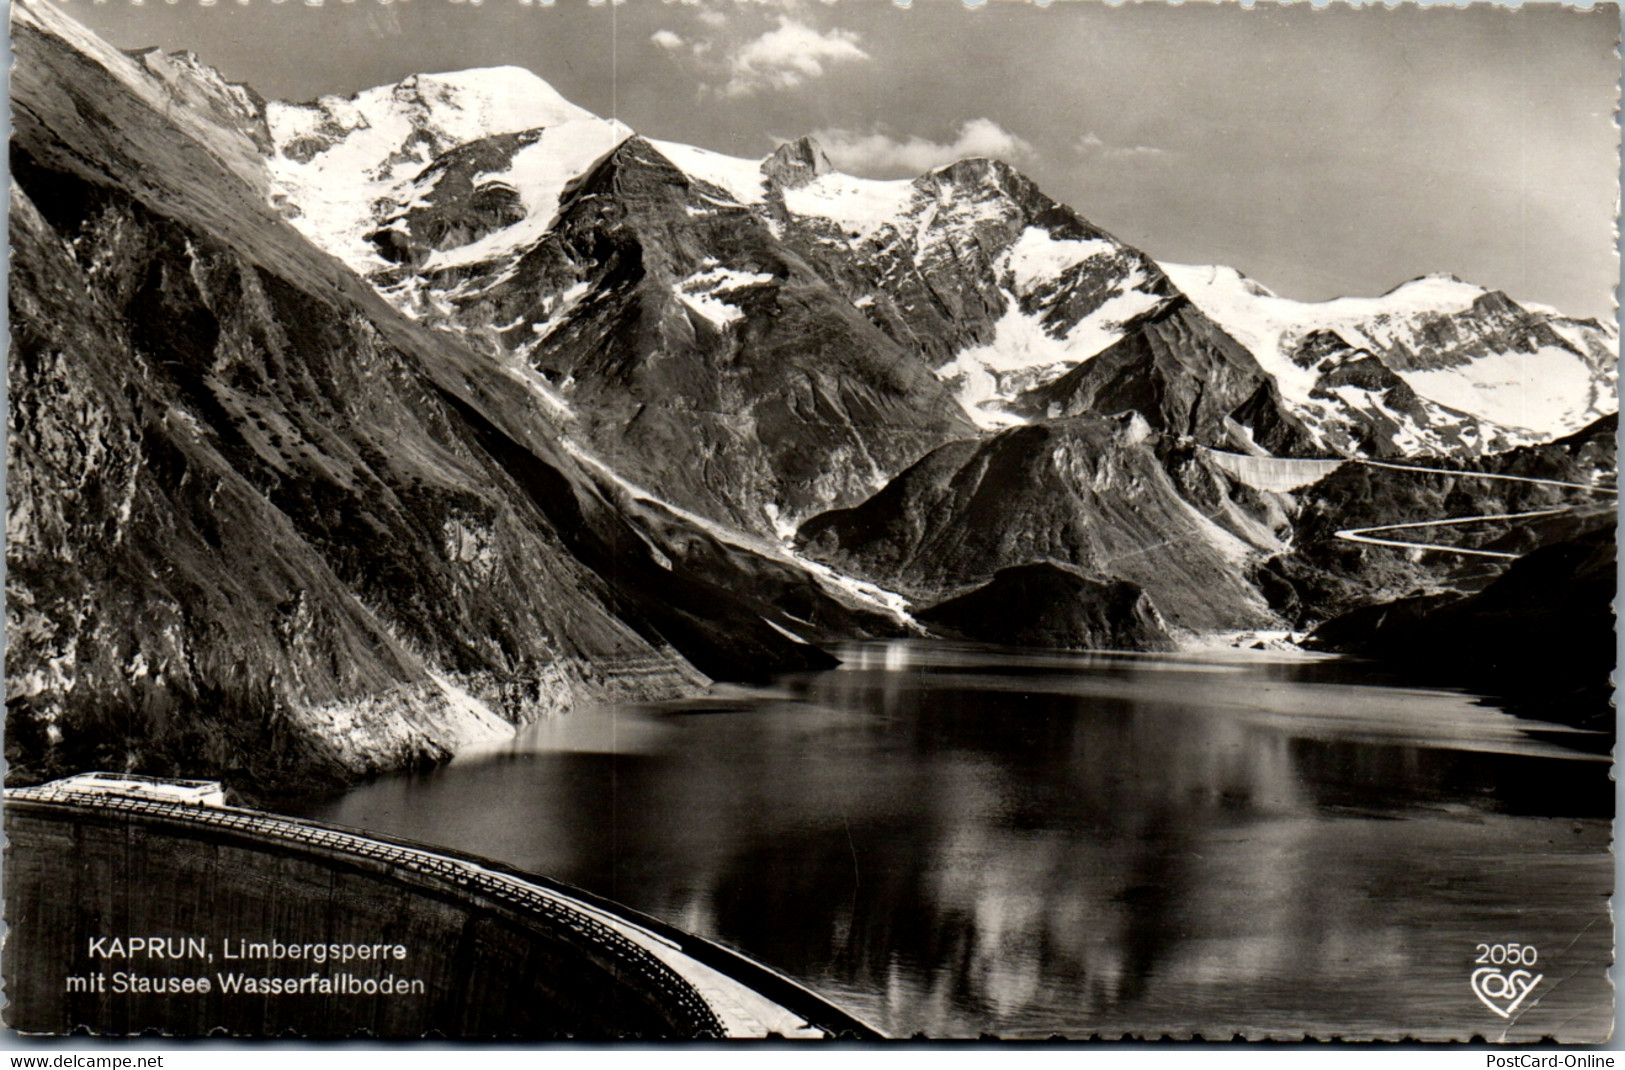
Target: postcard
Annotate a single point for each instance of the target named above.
(554, 521)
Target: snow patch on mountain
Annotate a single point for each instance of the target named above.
(231, 144)
(539, 388)
(1546, 390)
(1026, 352)
(538, 173)
(337, 157)
(557, 307)
(1541, 392)
(859, 206)
(705, 292)
(1410, 436)
(741, 179)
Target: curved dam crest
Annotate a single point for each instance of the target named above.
(1278, 475)
(138, 913)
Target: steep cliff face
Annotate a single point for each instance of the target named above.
(261, 526)
(1088, 493)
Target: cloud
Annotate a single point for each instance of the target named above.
(1090, 146)
(787, 57)
(739, 48)
(879, 153)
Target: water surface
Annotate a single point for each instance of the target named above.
(958, 841)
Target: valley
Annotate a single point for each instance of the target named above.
(349, 433)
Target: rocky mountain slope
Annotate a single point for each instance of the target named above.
(259, 524)
(1089, 494)
(1491, 373)
(680, 339)
(970, 269)
(345, 433)
(993, 284)
(1187, 377)
(1047, 605)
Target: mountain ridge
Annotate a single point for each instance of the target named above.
(1037, 302)
(411, 417)
(264, 527)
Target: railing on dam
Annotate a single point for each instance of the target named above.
(701, 988)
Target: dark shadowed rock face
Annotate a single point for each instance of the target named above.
(700, 356)
(1048, 605)
(260, 525)
(796, 163)
(1089, 493)
(1542, 634)
(716, 365)
(449, 209)
(1186, 376)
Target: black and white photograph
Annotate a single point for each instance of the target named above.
(811, 519)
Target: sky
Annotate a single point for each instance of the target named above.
(1322, 152)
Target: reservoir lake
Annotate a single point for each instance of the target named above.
(959, 841)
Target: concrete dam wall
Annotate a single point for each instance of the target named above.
(131, 915)
(1279, 475)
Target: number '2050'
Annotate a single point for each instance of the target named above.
(1507, 954)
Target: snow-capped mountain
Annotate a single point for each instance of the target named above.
(260, 525)
(996, 286)
(413, 415)
(441, 188)
(656, 305)
(337, 160)
(1523, 373)
(999, 288)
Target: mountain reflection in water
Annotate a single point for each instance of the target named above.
(957, 840)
